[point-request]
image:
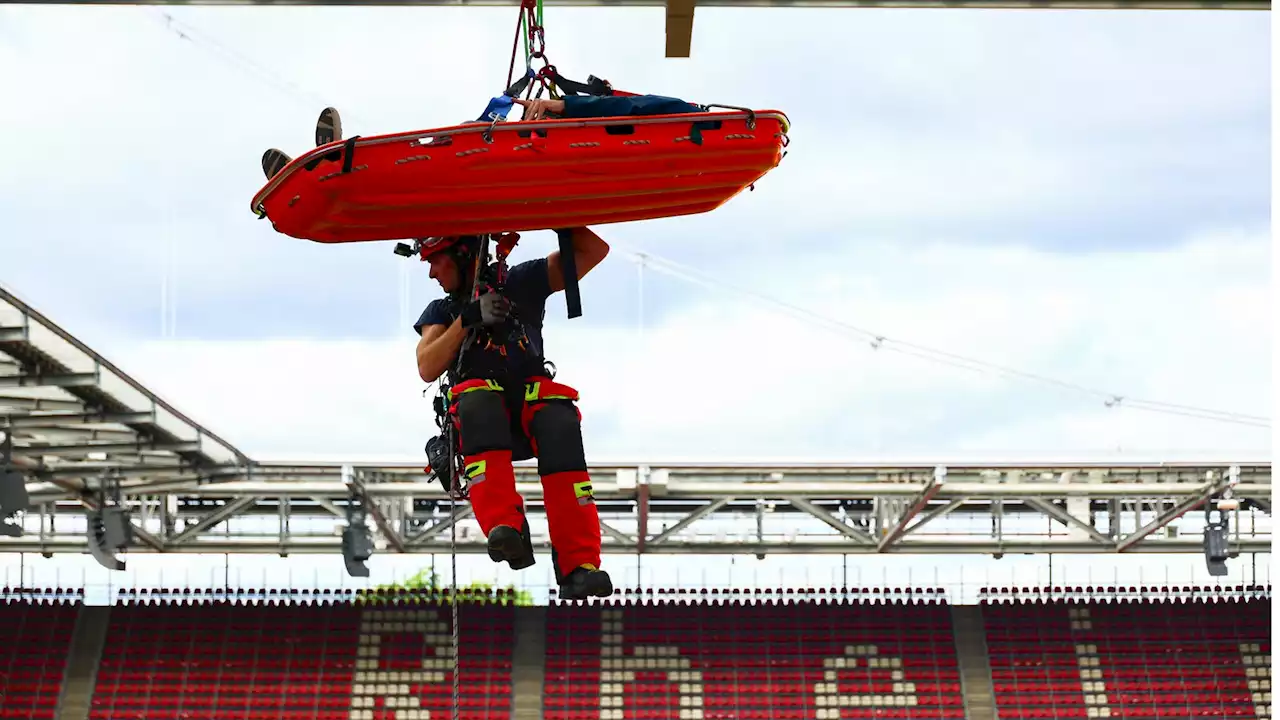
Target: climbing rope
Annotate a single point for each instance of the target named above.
(453, 596)
(458, 489)
(529, 28)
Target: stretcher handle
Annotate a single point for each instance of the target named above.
(569, 269)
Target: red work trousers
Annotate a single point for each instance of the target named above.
(552, 424)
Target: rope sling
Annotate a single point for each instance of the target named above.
(528, 26)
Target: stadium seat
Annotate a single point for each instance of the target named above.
(788, 660)
(35, 637)
(1131, 659)
(282, 660)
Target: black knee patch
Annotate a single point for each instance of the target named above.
(556, 430)
(484, 420)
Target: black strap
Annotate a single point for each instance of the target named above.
(593, 86)
(348, 153)
(569, 269)
(518, 87)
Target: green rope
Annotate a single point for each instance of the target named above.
(524, 35)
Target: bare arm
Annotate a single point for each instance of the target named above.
(588, 250)
(437, 348)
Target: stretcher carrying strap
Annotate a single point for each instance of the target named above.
(569, 269)
(499, 107)
(593, 86)
(529, 25)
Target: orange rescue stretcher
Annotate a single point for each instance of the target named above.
(479, 178)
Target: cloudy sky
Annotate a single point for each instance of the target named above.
(1079, 195)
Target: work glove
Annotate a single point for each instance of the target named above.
(489, 309)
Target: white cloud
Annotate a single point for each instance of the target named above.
(966, 122)
(723, 380)
(963, 123)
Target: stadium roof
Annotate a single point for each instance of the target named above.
(73, 415)
(79, 424)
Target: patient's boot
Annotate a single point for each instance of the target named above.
(328, 127)
(273, 161)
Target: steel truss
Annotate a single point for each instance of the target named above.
(691, 509)
(680, 13)
(84, 434)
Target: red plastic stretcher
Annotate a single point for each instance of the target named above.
(480, 178)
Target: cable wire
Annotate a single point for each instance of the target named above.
(186, 31)
(880, 341)
(876, 340)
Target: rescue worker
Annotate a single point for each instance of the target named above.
(505, 405)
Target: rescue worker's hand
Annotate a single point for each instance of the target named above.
(538, 109)
(489, 309)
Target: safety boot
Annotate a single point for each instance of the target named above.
(328, 127)
(273, 161)
(585, 581)
(512, 545)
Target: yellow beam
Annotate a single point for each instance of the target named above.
(679, 28)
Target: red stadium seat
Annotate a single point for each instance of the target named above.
(34, 640)
(771, 661)
(273, 661)
(1132, 659)
(730, 656)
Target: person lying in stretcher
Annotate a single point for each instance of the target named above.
(329, 125)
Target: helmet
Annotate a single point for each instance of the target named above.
(462, 247)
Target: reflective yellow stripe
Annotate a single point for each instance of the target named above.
(531, 394)
(489, 385)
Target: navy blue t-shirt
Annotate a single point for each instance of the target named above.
(528, 287)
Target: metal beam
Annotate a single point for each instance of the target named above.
(900, 4)
(57, 418)
(724, 496)
(845, 529)
(90, 503)
(1066, 518)
(356, 483)
(67, 434)
(30, 404)
(919, 503)
(331, 546)
(1209, 490)
(320, 485)
(459, 514)
(52, 380)
(690, 519)
(212, 519)
(616, 534)
(88, 448)
(679, 28)
(937, 512)
(329, 507)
